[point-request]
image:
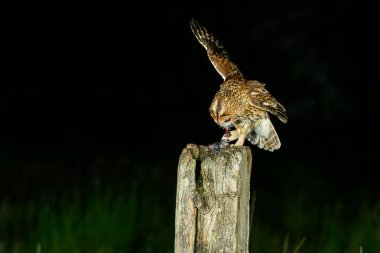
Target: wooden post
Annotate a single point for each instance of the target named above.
(212, 213)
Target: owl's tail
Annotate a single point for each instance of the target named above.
(265, 136)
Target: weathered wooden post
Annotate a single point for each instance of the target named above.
(212, 213)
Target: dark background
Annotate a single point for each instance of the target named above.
(128, 86)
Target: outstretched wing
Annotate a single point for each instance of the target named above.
(260, 98)
(215, 51)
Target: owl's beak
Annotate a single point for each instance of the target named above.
(225, 125)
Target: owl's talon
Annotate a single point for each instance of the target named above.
(230, 136)
(225, 138)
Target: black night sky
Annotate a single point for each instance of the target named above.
(83, 83)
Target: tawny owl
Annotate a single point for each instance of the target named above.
(241, 103)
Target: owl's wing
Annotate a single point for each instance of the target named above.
(260, 98)
(215, 51)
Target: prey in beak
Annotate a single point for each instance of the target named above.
(228, 131)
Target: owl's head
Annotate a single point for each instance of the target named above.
(223, 117)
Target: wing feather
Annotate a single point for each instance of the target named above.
(260, 98)
(215, 51)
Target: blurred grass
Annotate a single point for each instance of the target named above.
(130, 218)
(104, 220)
(329, 228)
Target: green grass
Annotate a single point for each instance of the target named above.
(329, 228)
(105, 219)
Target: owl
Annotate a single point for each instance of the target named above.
(240, 103)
